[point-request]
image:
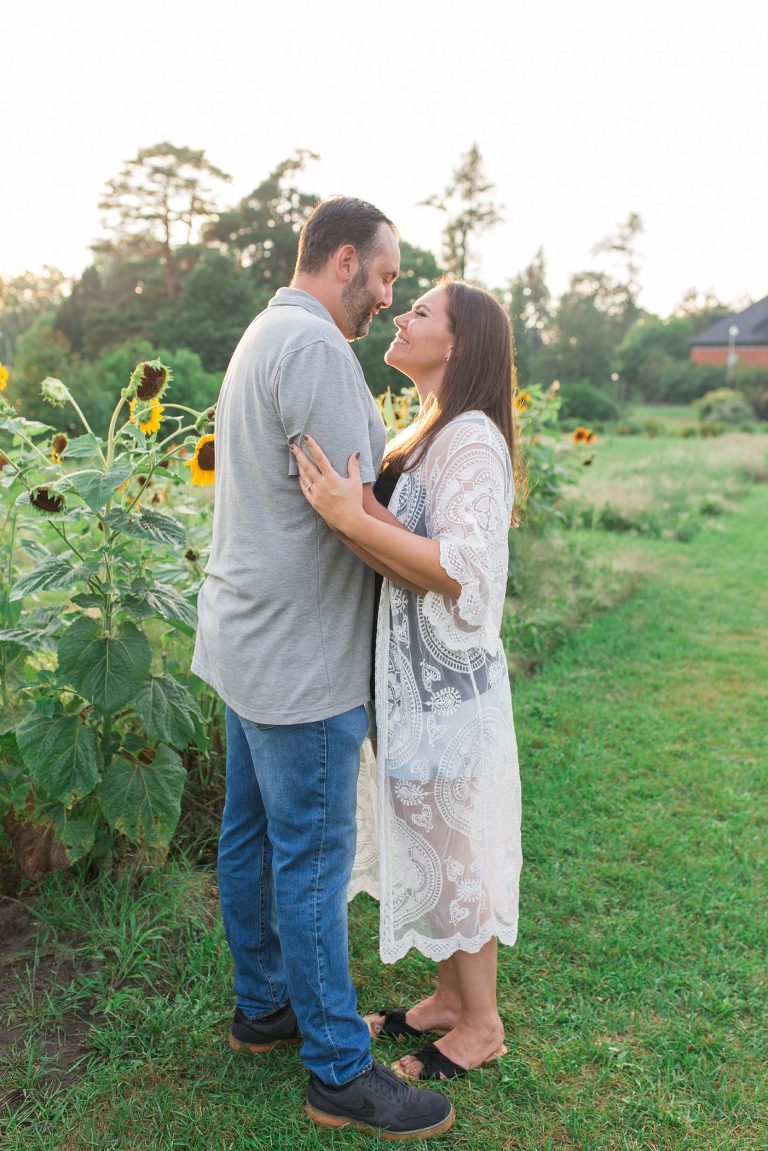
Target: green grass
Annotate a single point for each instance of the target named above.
(635, 1000)
(672, 415)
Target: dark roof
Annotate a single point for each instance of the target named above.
(752, 324)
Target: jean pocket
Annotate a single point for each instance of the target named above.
(265, 726)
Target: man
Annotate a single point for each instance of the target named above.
(284, 638)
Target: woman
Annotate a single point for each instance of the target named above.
(448, 793)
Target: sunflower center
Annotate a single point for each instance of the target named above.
(46, 500)
(152, 381)
(206, 457)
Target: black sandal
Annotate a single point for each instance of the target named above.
(395, 1026)
(435, 1065)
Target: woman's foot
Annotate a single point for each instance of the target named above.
(436, 1013)
(465, 1046)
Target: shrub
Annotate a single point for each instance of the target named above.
(710, 428)
(585, 403)
(753, 385)
(725, 406)
(683, 382)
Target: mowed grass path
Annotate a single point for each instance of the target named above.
(635, 1000)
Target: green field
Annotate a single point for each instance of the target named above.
(635, 1000)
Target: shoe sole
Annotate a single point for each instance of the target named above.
(325, 1120)
(258, 1048)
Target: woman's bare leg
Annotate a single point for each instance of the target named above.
(440, 1011)
(477, 1033)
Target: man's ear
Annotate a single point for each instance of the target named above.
(346, 262)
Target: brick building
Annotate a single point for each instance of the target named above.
(742, 336)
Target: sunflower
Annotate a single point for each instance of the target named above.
(47, 501)
(148, 414)
(523, 401)
(202, 463)
(583, 436)
(58, 444)
(54, 392)
(3, 376)
(149, 380)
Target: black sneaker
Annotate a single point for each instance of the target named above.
(379, 1102)
(258, 1035)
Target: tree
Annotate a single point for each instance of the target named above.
(470, 211)
(23, 299)
(653, 361)
(584, 335)
(528, 299)
(217, 302)
(703, 307)
(622, 246)
(42, 351)
(262, 230)
(118, 297)
(160, 201)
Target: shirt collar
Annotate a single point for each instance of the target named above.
(295, 297)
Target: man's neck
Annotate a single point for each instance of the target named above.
(322, 290)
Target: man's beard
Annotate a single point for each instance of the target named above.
(358, 301)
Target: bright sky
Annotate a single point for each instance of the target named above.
(582, 111)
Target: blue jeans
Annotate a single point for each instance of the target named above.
(285, 857)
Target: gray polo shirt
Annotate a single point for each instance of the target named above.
(284, 632)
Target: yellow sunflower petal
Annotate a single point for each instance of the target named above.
(148, 414)
(202, 464)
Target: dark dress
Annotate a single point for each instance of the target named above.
(382, 489)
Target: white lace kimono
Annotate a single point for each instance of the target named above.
(439, 812)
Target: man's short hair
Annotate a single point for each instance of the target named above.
(333, 223)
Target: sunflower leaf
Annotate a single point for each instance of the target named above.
(52, 572)
(143, 800)
(167, 710)
(11, 716)
(171, 605)
(34, 548)
(83, 446)
(36, 631)
(78, 837)
(155, 527)
(106, 670)
(96, 487)
(14, 424)
(62, 755)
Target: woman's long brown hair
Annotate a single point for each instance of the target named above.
(479, 376)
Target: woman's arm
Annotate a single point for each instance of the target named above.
(373, 508)
(410, 557)
(383, 570)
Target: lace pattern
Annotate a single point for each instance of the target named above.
(439, 809)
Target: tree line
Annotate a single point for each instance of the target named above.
(176, 275)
